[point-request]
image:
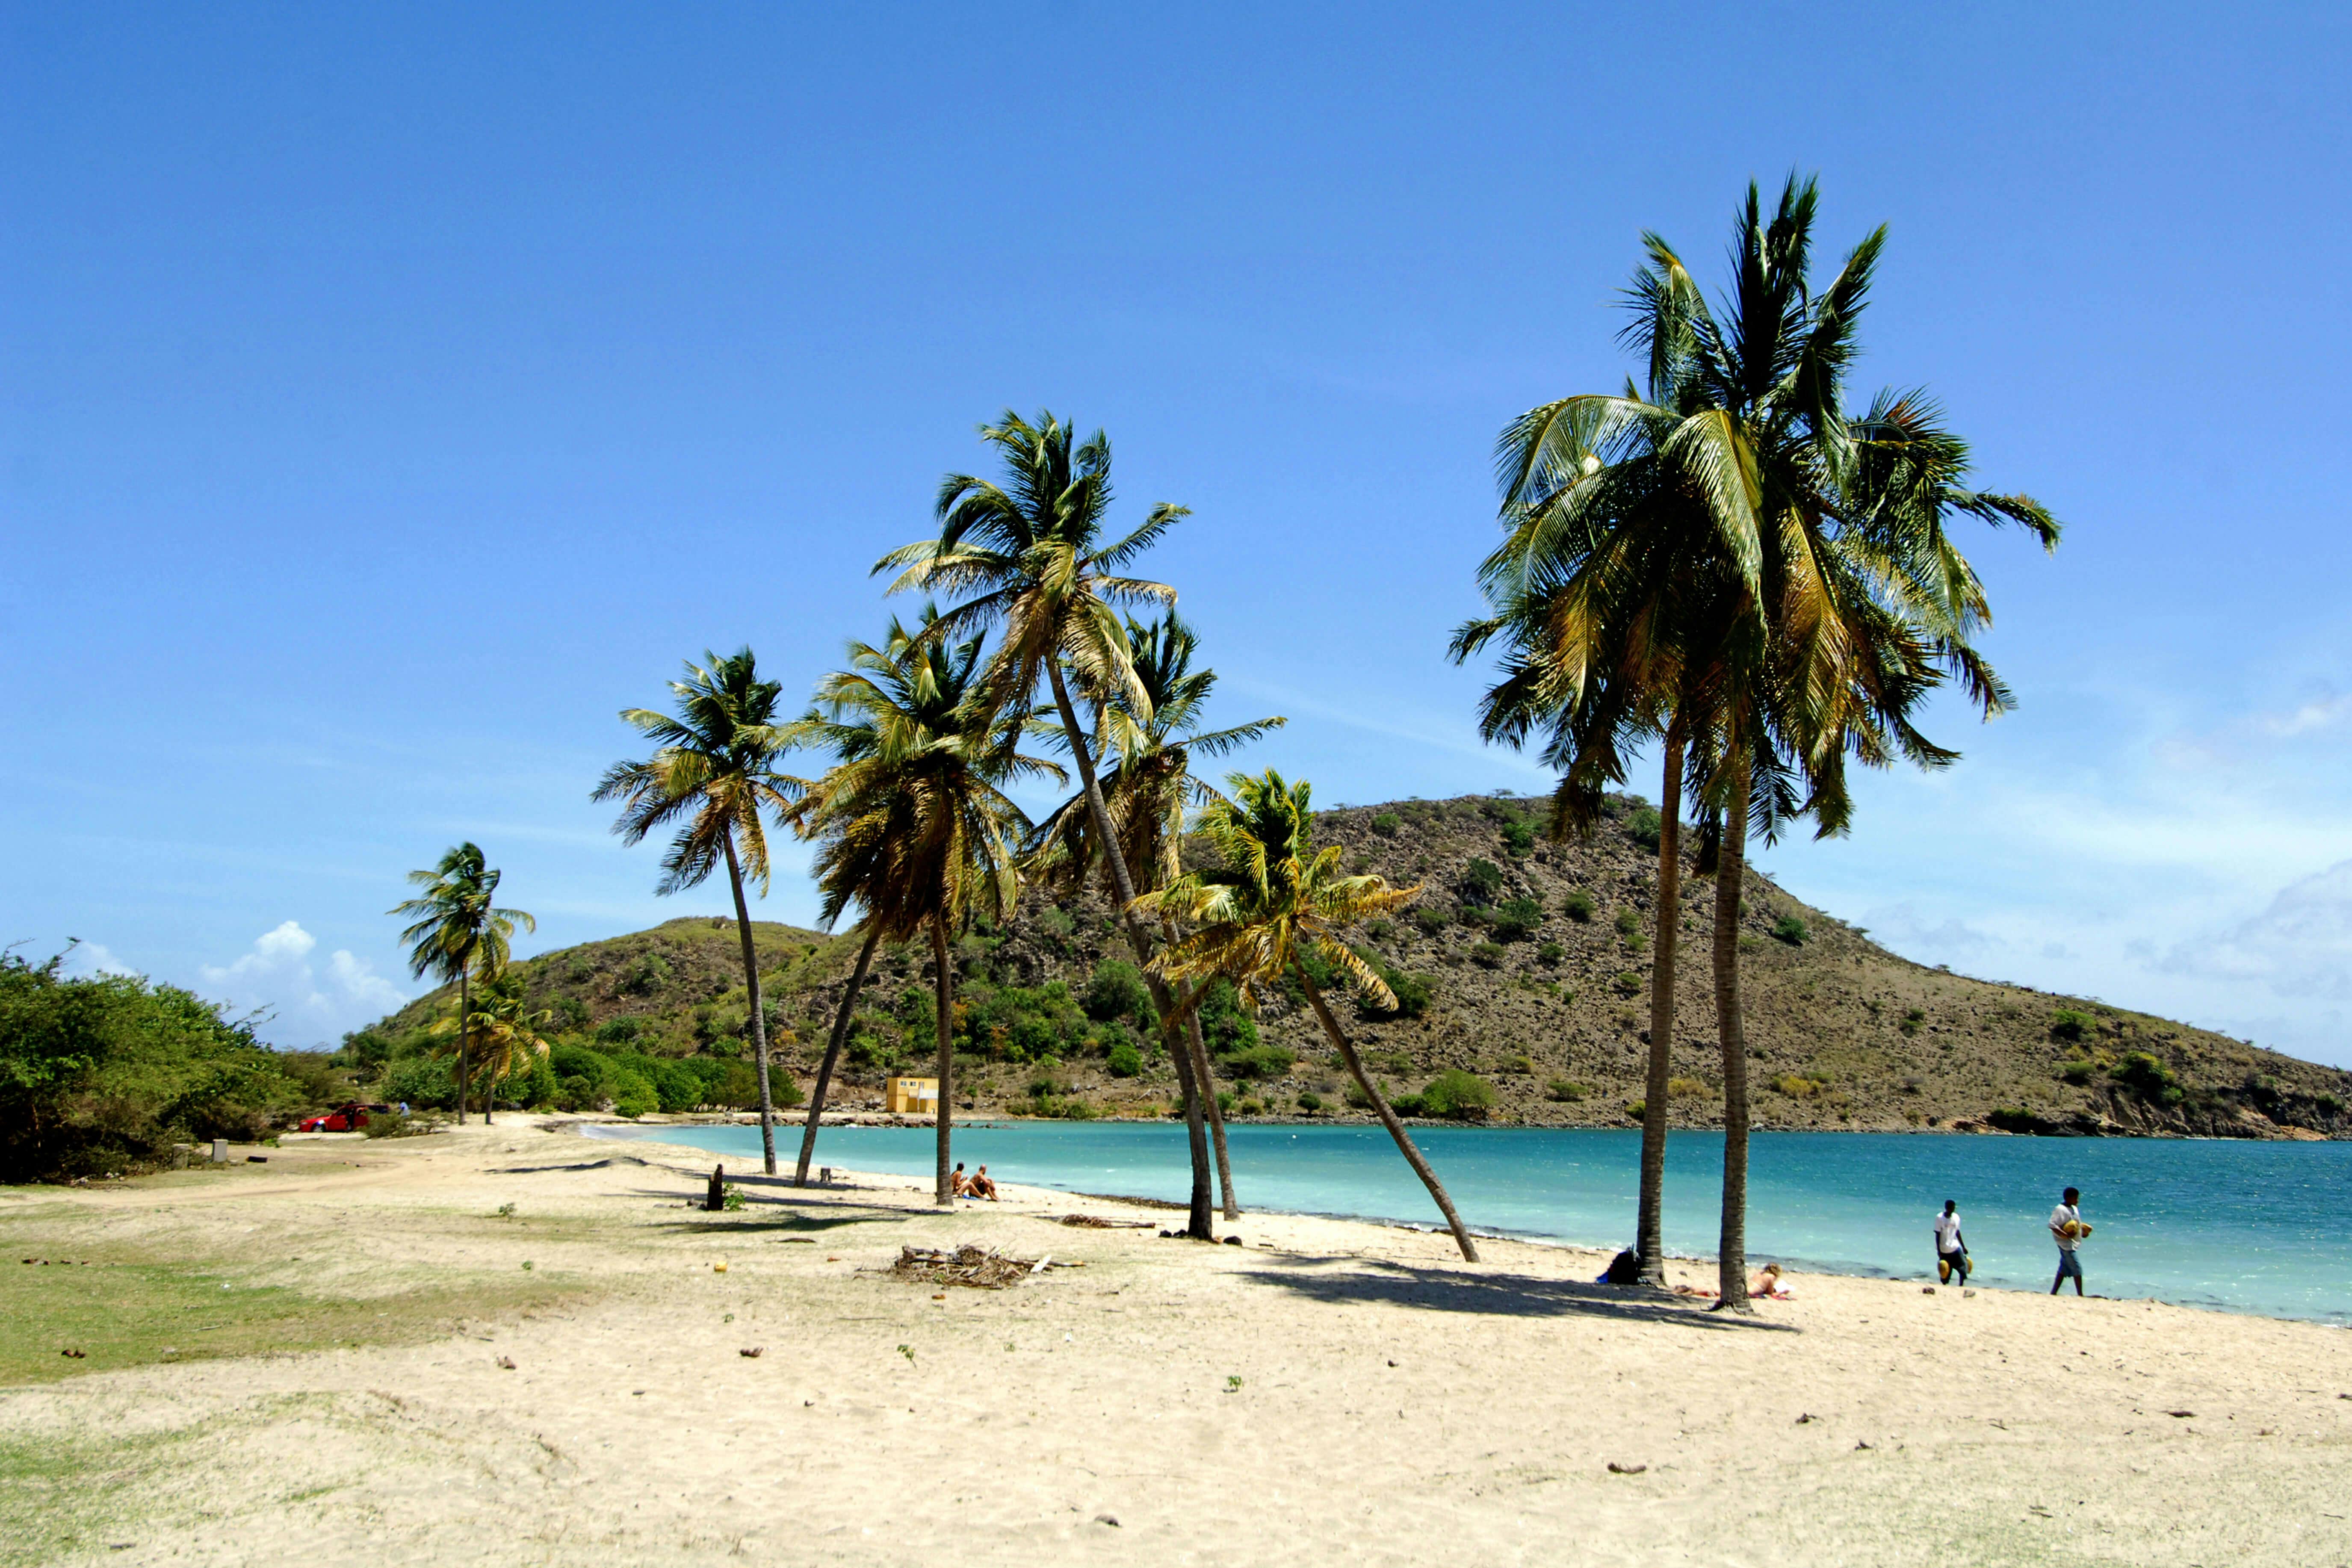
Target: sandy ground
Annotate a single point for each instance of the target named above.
(1326, 1392)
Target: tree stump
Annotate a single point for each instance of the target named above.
(716, 1199)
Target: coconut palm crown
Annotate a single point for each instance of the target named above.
(457, 932)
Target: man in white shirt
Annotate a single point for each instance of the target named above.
(2067, 1228)
(1951, 1251)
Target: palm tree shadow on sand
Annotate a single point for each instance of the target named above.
(1362, 1281)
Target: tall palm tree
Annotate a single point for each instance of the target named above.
(913, 820)
(458, 933)
(1031, 556)
(1148, 789)
(502, 1032)
(713, 774)
(1732, 560)
(1274, 898)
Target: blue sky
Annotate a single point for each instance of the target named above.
(387, 398)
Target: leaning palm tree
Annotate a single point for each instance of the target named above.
(913, 821)
(1148, 788)
(1734, 560)
(1276, 897)
(458, 933)
(502, 1032)
(714, 773)
(1031, 555)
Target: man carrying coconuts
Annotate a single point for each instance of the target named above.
(2066, 1225)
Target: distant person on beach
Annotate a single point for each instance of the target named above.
(1951, 1252)
(1767, 1286)
(981, 1186)
(2066, 1225)
(958, 1183)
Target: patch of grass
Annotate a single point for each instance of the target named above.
(1565, 1092)
(1684, 1088)
(61, 1496)
(122, 1308)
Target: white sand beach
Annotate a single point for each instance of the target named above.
(1327, 1390)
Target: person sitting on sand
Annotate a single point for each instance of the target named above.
(1767, 1286)
(1951, 1251)
(980, 1186)
(958, 1183)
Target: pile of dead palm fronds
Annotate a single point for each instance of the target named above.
(983, 1269)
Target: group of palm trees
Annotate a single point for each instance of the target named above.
(1723, 560)
(460, 936)
(1726, 562)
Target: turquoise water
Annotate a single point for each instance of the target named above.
(2249, 1226)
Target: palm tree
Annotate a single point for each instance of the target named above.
(1734, 559)
(714, 773)
(458, 933)
(913, 820)
(1276, 897)
(1030, 553)
(1148, 788)
(502, 1032)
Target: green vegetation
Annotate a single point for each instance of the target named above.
(105, 1074)
(1487, 955)
(1563, 1091)
(1549, 954)
(1579, 907)
(1642, 826)
(2141, 1074)
(2066, 1023)
(1482, 880)
(1518, 837)
(1790, 929)
(1454, 1095)
(1628, 922)
(1517, 919)
(457, 934)
(1386, 825)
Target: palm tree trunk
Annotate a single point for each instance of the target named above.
(1731, 1265)
(751, 985)
(1196, 1138)
(1122, 884)
(833, 1055)
(1649, 1234)
(1388, 1117)
(464, 1025)
(1200, 1053)
(944, 1194)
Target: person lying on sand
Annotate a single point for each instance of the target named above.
(1767, 1286)
(981, 1187)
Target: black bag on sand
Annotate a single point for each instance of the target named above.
(1624, 1269)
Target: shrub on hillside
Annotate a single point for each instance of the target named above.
(1579, 906)
(1481, 881)
(1684, 1088)
(1644, 826)
(1116, 990)
(1126, 1061)
(1458, 1095)
(1430, 919)
(1487, 955)
(1549, 954)
(1386, 825)
(1628, 922)
(1256, 1062)
(2148, 1078)
(1790, 929)
(1565, 1092)
(1518, 837)
(2066, 1023)
(1517, 919)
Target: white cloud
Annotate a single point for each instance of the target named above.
(2301, 947)
(307, 1008)
(94, 958)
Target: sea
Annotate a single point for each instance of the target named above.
(2239, 1225)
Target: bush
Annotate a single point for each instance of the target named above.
(1379, 930)
(917, 1011)
(1790, 929)
(1309, 1101)
(1517, 919)
(620, 1031)
(2148, 1078)
(1457, 1094)
(1684, 1088)
(1567, 1093)
(631, 1096)
(1430, 919)
(1579, 907)
(1386, 825)
(2066, 1023)
(1644, 826)
(1628, 922)
(1549, 954)
(1627, 983)
(2078, 1072)
(1487, 955)
(1126, 1061)
(650, 974)
(1256, 1062)
(2012, 1119)
(1797, 1088)
(1518, 837)
(424, 1082)
(1116, 990)
(1481, 881)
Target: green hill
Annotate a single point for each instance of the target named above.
(1534, 958)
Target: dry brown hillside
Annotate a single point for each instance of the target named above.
(1550, 1012)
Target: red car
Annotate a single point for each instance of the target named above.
(343, 1118)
